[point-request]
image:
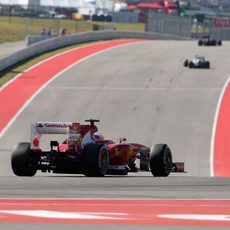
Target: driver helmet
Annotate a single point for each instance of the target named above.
(97, 136)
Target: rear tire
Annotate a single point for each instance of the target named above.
(200, 43)
(21, 161)
(95, 160)
(219, 43)
(160, 160)
(186, 63)
(207, 64)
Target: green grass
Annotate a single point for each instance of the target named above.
(16, 28)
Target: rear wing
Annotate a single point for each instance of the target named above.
(39, 128)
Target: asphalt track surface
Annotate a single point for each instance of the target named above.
(141, 91)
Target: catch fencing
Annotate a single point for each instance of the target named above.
(198, 27)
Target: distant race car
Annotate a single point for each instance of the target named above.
(207, 41)
(197, 62)
(85, 151)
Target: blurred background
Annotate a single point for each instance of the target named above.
(47, 18)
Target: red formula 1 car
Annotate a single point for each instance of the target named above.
(85, 151)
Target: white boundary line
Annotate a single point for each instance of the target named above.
(212, 173)
(54, 77)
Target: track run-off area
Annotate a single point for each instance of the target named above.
(117, 211)
(140, 90)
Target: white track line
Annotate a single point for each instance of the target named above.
(212, 173)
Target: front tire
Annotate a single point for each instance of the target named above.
(190, 65)
(186, 63)
(95, 160)
(21, 161)
(160, 160)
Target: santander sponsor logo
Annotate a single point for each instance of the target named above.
(53, 125)
(56, 125)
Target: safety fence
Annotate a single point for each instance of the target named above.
(198, 27)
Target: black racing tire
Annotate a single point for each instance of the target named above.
(95, 160)
(160, 160)
(207, 65)
(186, 63)
(219, 43)
(190, 65)
(22, 162)
(200, 42)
